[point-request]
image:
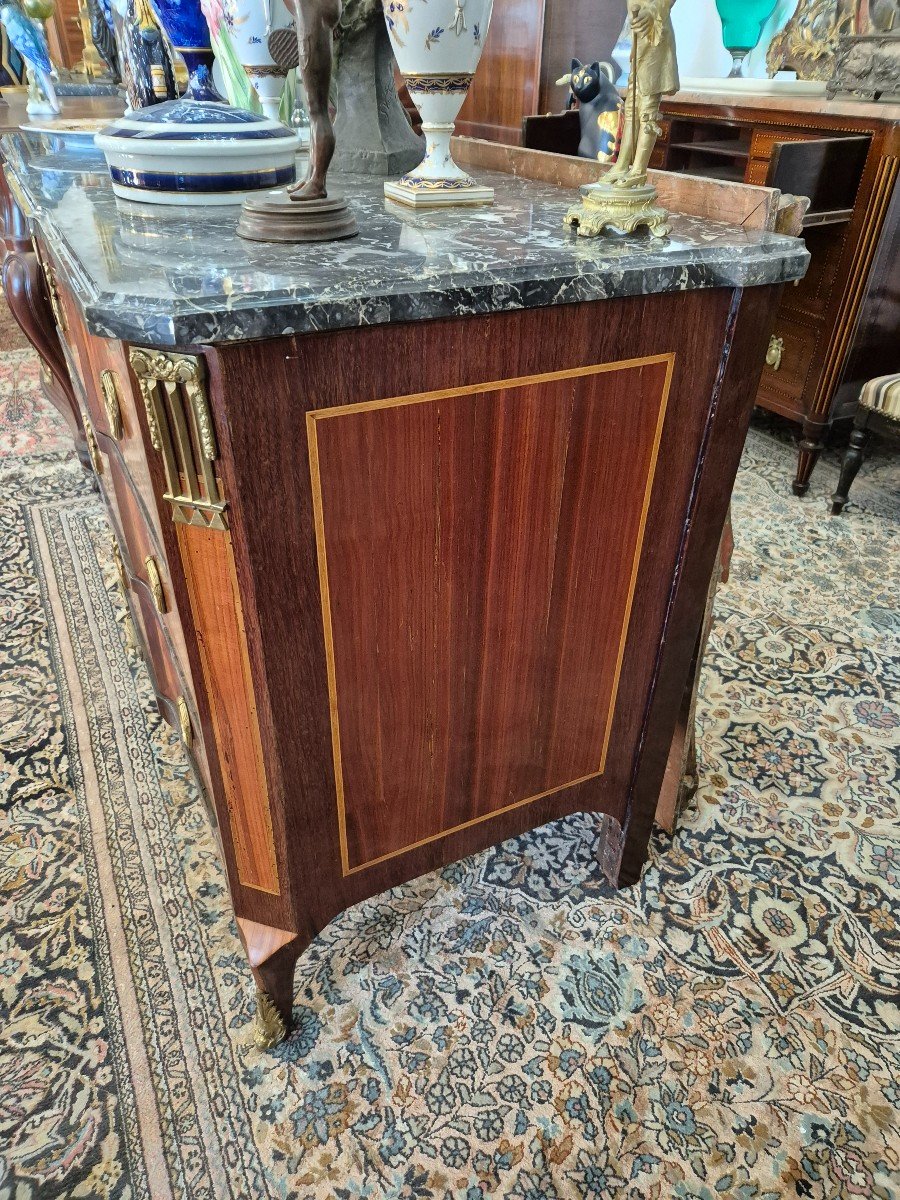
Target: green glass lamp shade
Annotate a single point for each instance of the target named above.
(742, 26)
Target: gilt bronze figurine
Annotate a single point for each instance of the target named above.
(623, 200)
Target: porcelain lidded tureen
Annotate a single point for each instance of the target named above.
(438, 44)
(197, 149)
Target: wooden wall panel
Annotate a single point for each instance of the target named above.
(530, 44)
(64, 34)
(507, 82)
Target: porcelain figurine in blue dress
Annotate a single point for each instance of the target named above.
(103, 35)
(145, 64)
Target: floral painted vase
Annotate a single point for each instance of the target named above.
(249, 23)
(437, 44)
(229, 75)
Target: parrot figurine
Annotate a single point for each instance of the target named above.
(28, 38)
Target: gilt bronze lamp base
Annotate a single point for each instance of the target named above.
(620, 209)
(275, 217)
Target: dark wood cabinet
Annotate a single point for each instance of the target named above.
(408, 589)
(845, 158)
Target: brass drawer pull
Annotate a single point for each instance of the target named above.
(184, 722)
(59, 313)
(93, 449)
(155, 581)
(109, 388)
(774, 352)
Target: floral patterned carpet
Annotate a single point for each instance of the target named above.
(728, 1027)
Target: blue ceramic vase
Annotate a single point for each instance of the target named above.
(184, 22)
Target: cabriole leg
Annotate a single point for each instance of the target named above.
(273, 955)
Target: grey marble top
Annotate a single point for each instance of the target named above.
(180, 276)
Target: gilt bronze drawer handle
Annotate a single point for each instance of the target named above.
(110, 390)
(774, 352)
(184, 722)
(93, 449)
(120, 566)
(155, 581)
(59, 313)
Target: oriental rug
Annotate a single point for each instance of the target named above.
(509, 1027)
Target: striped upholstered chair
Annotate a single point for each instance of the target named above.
(879, 399)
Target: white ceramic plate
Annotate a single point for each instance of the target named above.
(754, 87)
(82, 128)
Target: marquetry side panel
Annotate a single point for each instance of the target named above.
(476, 603)
(208, 561)
(885, 180)
(180, 428)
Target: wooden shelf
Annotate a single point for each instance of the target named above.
(723, 147)
(836, 216)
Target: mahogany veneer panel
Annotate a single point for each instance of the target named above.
(476, 602)
(218, 617)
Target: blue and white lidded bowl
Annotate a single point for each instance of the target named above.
(190, 151)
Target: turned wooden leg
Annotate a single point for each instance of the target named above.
(273, 954)
(852, 460)
(811, 446)
(23, 285)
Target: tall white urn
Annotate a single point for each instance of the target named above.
(438, 44)
(249, 23)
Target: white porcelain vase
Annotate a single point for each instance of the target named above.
(249, 23)
(437, 44)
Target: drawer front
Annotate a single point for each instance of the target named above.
(789, 378)
(145, 562)
(757, 171)
(813, 292)
(176, 700)
(105, 384)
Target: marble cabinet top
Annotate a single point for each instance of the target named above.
(181, 276)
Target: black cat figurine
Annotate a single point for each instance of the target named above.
(591, 84)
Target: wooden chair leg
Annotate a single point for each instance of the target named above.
(852, 461)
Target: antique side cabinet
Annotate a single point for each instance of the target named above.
(844, 156)
(416, 529)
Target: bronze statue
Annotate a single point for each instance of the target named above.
(316, 21)
(276, 216)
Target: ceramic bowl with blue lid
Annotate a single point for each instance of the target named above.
(190, 151)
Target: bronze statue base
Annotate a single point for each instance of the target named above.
(275, 217)
(620, 209)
